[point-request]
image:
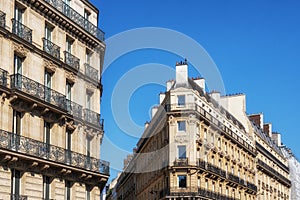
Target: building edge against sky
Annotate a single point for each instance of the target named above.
(50, 128)
(203, 145)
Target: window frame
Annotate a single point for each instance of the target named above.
(182, 179)
(181, 125)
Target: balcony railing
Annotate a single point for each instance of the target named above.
(3, 77)
(93, 117)
(31, 87)
(273, 172)
(2, 19)
(69, 12)
(216, 170)
(74, 109)
(72, 60)
(252, 186)
(18, 197)
(51, 48)
(181, 162)
(233, 178)
(28, 146)
(91, 72)
(21, 30)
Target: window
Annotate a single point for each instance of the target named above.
(68, 90)
(88, 194)
(69, 43)
(66, 8)
(181, 152)
(181, 125)
(17, 119)
(86, 19)
(88, 56)
(48, 32)
(47, 83)
(18, 62)
(19, 14)
(69, 144)
(181, 100)
(15, 182)
(182, 181)
(88, 100)
(68, 190)
(46, 183)
(47, 128)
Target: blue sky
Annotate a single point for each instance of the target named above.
(255, 45)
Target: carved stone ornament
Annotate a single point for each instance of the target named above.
(192, 119)
(90, 88)
(172, 120)
(49, 66)
(20, 49)
(181, 139)
(70, 77)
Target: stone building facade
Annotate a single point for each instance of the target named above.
(200, 145)
(50, 128)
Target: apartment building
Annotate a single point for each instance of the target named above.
(50, 127)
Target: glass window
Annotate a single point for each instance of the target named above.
(181, 125)
(15, 182)
(68, 190)
(181, 100)
(47, 128)
(18, 61)
(19, 14)
(182, 181)
(48, 32)
(88, 55)
(46, 182)
(181, 151)
(47, 80)
(88, 100)
(69, 43)
(68, 90)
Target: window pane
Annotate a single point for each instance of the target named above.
(182, 181)
(181, 100)
(181, 152)
(181, 125)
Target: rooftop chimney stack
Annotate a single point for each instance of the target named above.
(258, 119)
(181, 73)
(200, 82)
(268, 129)
(276, 137)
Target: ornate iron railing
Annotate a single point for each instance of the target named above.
(3, 77)
(74, 109)
(18, 197)
(91, 72)
(69, 12)
(92, 117)
(51, 48)
(213, 195)
(72, 60)
(252, 186)
(233, 178)
(28, 146)
(216, 170)
(33, 88)
(181, 162)
(2, 19)
(21, 30)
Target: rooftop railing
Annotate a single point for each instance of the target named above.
(69, 12)
(28, 146)
(21, 30)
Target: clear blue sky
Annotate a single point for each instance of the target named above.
(255, 44)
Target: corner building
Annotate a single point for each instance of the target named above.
(50, 128)
(194, 147)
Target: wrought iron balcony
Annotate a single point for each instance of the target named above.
(18, 197)
(51, 48)
(21, 30)
(3, 77)
(92, 117)
(216, 170)
(181, 162)
(2, 19)
(69, 12)
(91, 72)
(72, 60)
(37, 90)
(213, 195)
(28, 146)
(252, 186)
(233, 178)
(74, 109)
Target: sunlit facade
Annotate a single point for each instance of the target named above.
(50, 128)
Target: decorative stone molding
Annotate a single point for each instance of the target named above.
(192, 119)
(181, 139)
(20, 49)
(71, 77)
(49, 66)
(90, 88)
(171, 120)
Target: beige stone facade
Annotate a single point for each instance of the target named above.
(200, 145)
(50, 127)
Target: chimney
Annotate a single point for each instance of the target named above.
(146, 125)
(258, 119)
(181, 74)
(154, 110)
(170, 83)
(216, 95)
(276, 138)
(268, 129)
(161, 97)
(201, 83)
